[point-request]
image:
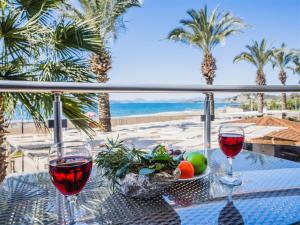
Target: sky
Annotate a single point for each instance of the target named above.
(143, 55)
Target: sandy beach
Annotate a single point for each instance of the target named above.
(179, 130)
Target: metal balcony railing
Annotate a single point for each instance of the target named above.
(58, 88)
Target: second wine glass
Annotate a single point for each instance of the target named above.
(231, 140)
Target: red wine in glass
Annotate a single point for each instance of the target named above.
(231, 144)
(70, 174)
(231, 139)
(70, 166)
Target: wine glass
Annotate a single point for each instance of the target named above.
(231, 139)
(70, 166)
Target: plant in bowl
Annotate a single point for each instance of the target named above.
(135, 172)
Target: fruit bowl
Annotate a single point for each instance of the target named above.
(146, 173)
(197, 177)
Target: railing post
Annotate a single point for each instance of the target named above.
(207, 123)
(57, 112)
(23, 162)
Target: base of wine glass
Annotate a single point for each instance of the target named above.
(231, 180)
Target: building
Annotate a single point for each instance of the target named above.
(283, 143)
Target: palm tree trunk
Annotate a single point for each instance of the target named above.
(260, 103)
(208, 70)
(104, 112)
(3, 163)
(282, 77)
(100, 64)
(260, 80)
(283, 101)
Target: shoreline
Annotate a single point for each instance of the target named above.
(189, 110)
(165, 113)
(29, 126)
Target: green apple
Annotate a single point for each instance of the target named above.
(189, 154)
(198, 161)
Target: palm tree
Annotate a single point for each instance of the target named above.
(205, 31)
(281, 59)
(296, 61)
(258, 55)
(35, 48)
(107, 16)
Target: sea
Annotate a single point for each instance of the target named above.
(122, 109)
(139, 109)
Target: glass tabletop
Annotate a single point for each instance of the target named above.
(270, 194)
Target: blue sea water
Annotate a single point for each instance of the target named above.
(130, 109)
(119, 109)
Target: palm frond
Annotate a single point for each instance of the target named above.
(70, 69)
(31, 103)
(246, 57)
(89, 6)
(282, 57)
(13, 69)
(207, 30)
(107, 15)
(20, 36)
(114, 10)
(179, 34)
(31, 8)
(117, 12)
(69, 11)
(74, 37)
(296, 62)
(74, 108)
(258, 54)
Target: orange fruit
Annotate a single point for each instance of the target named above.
(186, 169)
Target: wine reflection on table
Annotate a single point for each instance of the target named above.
(230, 214)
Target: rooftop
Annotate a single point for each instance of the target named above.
(288, 136)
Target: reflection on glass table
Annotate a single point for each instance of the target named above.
(230, 214)
(270, 194)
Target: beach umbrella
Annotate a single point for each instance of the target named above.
(91, 115)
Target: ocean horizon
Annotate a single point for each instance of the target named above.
(140, 109)
(123, 109)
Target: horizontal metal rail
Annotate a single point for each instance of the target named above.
(71, 87)
(58, 88)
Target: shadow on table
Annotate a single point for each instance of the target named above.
(187, 193)
(230, 215)
(124, 210)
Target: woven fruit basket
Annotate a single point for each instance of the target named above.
(143, 173)
(141, 186)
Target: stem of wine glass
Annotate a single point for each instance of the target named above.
(71, 202)
(229, 197)
(230, 166)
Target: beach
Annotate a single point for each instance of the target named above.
(177, 130)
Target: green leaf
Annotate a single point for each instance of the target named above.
(120, 173)
(162, 158)
(146, 171)
(160, 154)
(159, 166)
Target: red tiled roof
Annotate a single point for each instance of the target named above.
(292, 133)
(287, 134)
